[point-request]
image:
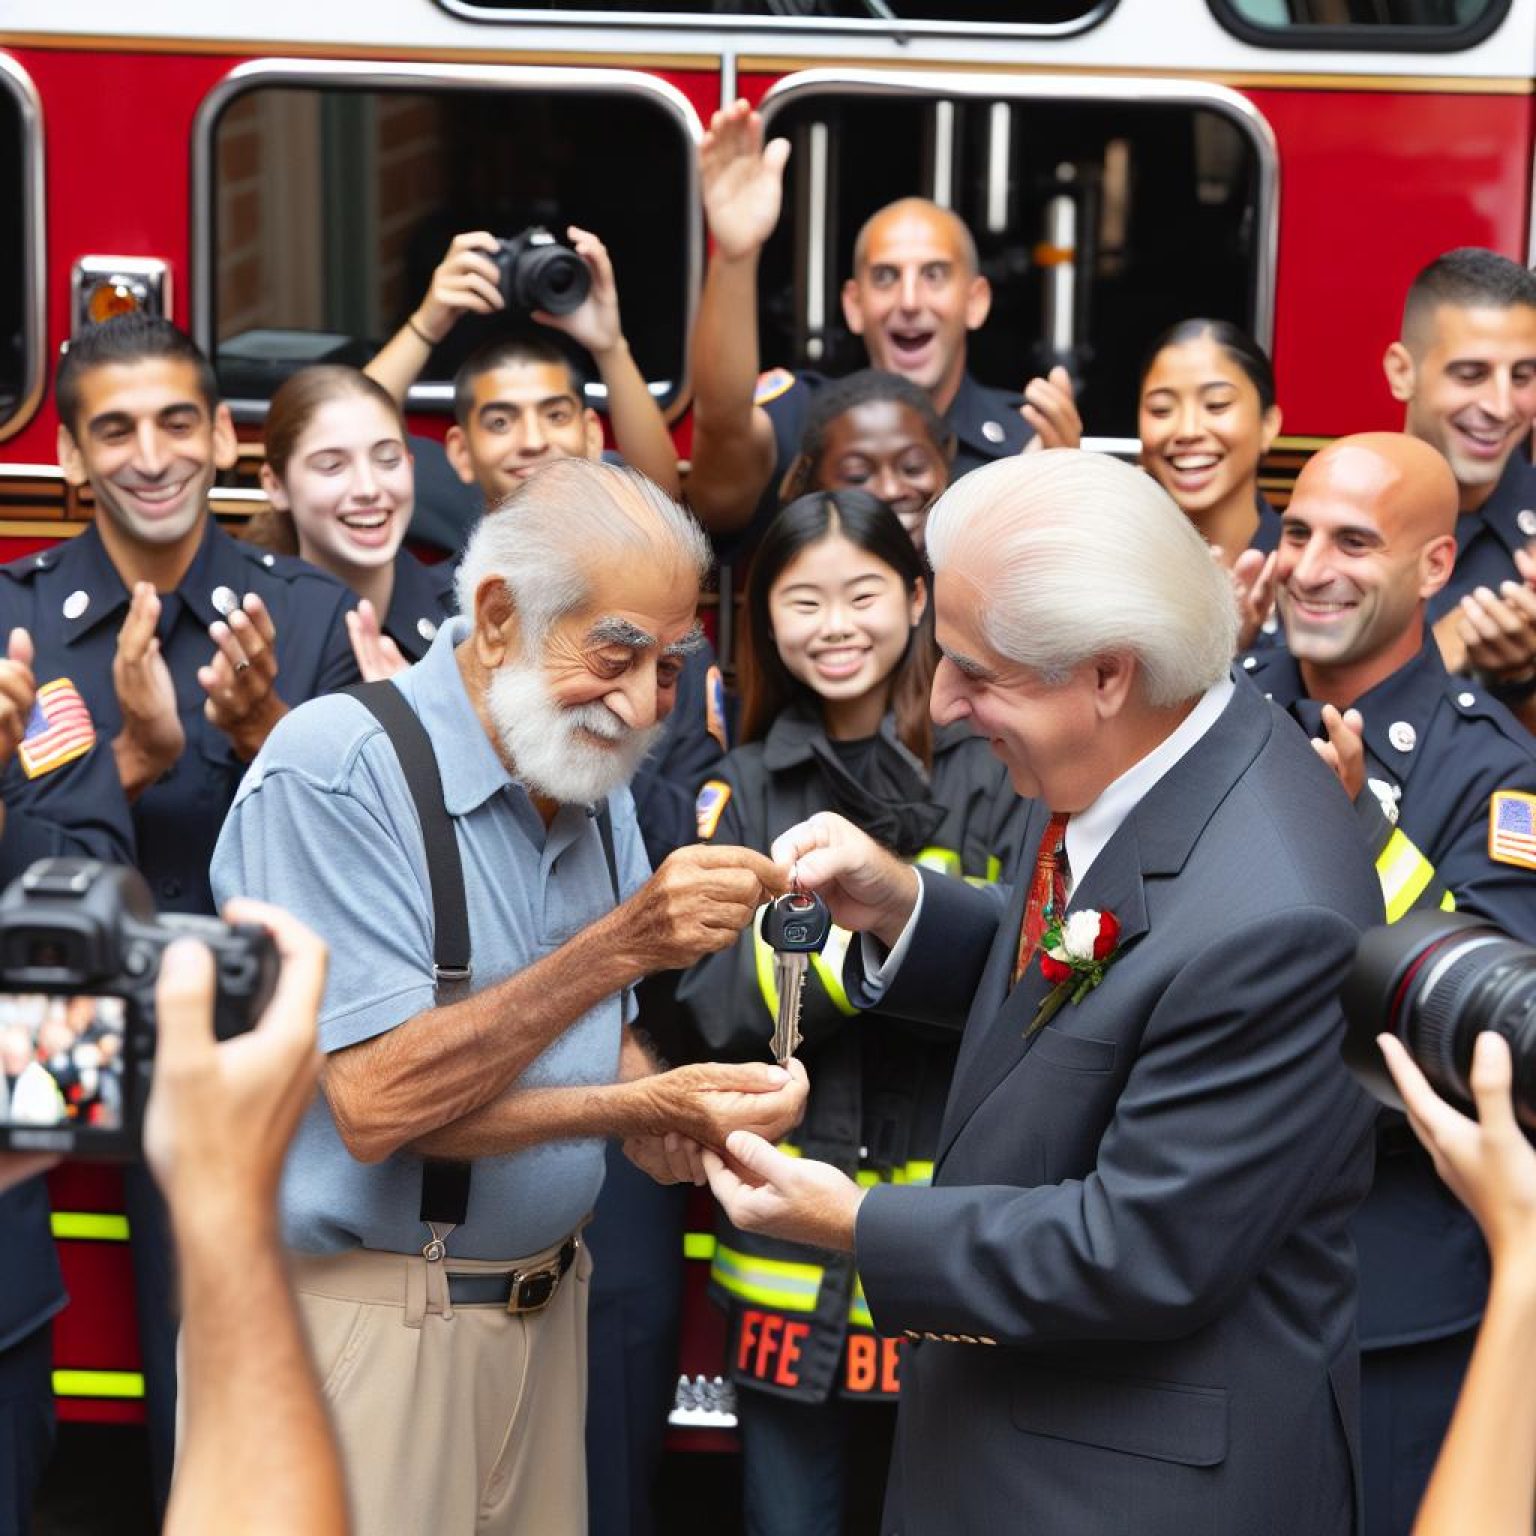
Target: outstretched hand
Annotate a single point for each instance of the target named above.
(866, 888)
(795, 1198)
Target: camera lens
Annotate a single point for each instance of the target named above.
(1436, 982)
(539, 271)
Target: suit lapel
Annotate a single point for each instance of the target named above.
(1153, 841)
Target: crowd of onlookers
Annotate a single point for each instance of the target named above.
(1390, 608)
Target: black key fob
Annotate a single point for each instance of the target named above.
(796, 924)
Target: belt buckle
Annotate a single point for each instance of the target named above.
(532, 1288)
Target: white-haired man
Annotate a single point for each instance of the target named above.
(1130, 1289)
(454, 1356)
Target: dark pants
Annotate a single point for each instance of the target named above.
(154, 1281)
(813, 1469)
(26, 1426)
(1408, 1395)
(636, 1239)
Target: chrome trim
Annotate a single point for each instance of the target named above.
(317, 73)
(898, 29)
(942, 186)
(1077, 89)
(31, 472)
(819, 157)
(999, 167)
(1061, 281)
(34, 213)
(1121, 447)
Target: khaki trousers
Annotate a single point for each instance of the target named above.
(453, 1420)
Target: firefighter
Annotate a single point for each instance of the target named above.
(837, 662)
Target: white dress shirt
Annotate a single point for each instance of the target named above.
(1087, 832)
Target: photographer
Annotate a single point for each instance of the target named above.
(468, 281)
(1485, 1478)
(257, 1452)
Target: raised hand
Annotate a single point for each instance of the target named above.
(241, 679)
(866, 887)
(742, 181)
(795, 1198)
(1050, 407)
(594, 324)
(377, 655)
(1253, 579)
(152, 737)
(466, 280)
(1344, 750)
(18, 691)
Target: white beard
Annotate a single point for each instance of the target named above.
(550, 744)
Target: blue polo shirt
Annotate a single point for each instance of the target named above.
(324, 825)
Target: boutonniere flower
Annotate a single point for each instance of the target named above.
(1073, 957)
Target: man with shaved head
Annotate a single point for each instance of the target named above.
(1367, 543)
(915, 294)
(437, 1189)
(1464, 367)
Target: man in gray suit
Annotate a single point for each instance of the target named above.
(1130, 1292)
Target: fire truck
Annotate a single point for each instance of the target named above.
(280, 179)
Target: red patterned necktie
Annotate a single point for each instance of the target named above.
(1047, 891)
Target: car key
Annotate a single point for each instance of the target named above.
(794, 927)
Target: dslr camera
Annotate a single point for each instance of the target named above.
(80, 949)
(1436, 981)
(541, 271)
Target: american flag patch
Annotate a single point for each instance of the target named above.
(1512, 828)
(58, 730)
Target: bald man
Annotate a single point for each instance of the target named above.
(1438, 768)
(915, 295)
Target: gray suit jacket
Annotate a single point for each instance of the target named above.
(1140, 1213)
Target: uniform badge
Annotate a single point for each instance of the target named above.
(59, 729)
(1512, 828)
(714, 707)
(1387, 796)
(710, 806)
(772, 384)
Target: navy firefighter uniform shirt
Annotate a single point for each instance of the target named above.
(1442, 758)
(1486, 540)
(73, 602)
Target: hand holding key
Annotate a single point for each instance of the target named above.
(795, 927)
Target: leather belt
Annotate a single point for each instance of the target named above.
(518, 1290)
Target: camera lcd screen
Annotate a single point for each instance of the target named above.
(62, 1062)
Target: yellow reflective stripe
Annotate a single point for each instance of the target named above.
(944, 861)
(1448, 902)
(1404, 872)
(98, 1384)
(858, 1308)
(91, 1225)
(762, 959)
(993, 875)
(777, 1283)
(698, 1245)
(828, 966)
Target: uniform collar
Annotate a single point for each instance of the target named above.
(218, 577)
(418, 603)
(1396, 713)
(471, 770)
(793, 736)
(1510, 512)
(986, 420)
(96, 592)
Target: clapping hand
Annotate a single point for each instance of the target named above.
(241, 679)
(377, 655)
(1050, 407)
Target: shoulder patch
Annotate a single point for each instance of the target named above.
(714, 707)
(1512, 828)
(772, 384)
(710, 806)
(59, 729)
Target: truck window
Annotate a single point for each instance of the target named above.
(1098, 222)
(21, 254)
(327, 205)
(1011, 15)
(1430, 26)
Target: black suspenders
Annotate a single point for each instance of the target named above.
(444, 1182)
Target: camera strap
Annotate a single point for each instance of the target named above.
(444, 1181)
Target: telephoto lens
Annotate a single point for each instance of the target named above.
(540, 271)
(1436, 981)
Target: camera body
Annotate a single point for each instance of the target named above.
(1436, 980)
(80, 951)
(541, 271)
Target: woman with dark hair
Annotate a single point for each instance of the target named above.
(876, 432)
(1207, 417)
(338, 477)
(836, 663)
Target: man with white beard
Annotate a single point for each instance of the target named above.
(453, 1348)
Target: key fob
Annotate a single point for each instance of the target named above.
(796, 924)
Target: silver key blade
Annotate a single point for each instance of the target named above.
(789, 979)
